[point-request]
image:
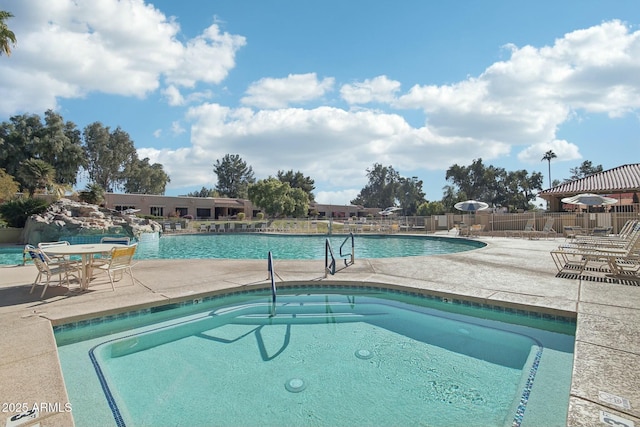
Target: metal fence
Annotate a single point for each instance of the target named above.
(503, 223)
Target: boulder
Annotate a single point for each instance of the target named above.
(66, 218)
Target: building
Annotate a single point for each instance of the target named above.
(215, 207)
(622, 183)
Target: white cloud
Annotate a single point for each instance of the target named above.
(343, 197)
(563, 150)
(378, 89)
(206, 58)
(68, 49)
(177, 128)
(525, 99)
(280, 93)
(173, 96)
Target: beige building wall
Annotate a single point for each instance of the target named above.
(212, 207)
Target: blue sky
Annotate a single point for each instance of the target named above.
(332, 87)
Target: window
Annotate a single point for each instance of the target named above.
(182, 211)
(203, 213)
(121, 208)
(156, 211)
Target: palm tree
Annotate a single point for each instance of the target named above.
(548, 156)
(7, 38)
(36, 174)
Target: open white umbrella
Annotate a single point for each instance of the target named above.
(470, 206)
(389, 211)
(589, 199)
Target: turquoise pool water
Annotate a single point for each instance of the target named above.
(256, 246)
(329, 357)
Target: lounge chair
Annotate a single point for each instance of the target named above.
(547, 229)
(575, 257)
(601, 231)
(120, 261)
(529, 228)
(475, 230)
(47, 270)
(572, 231)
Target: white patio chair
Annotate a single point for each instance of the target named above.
(47, 270)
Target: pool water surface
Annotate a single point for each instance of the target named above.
(357, 357)
(256, 246)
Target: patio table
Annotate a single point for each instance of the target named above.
(86, 251)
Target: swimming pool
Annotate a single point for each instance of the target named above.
(256, 246)
(333, 355)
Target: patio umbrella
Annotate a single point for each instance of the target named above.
(470, 206)
(589, 199)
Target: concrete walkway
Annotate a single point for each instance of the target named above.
(514, 272)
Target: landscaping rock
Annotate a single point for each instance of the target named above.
(66, 218)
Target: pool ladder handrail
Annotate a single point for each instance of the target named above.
(330, 265)
(353, 250)
(273, 283)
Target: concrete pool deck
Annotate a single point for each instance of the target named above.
(508, 271)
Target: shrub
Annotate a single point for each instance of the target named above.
(241, 216)
(260, 216)
(16, 212)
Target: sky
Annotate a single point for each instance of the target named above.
(330, 88)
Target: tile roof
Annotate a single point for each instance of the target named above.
(621, 179)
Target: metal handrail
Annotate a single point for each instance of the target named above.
(329, 267)
(353, 250)
(273, 283)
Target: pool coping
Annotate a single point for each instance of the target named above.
(516, 272)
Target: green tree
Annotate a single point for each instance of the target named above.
(521, 189)
(36, 175)
(277, 198)
(144, 178)
(300, 199)
(92, 194)
(8, 186)
(548, 156)
(7, 37)
(16, 212)
(234, 176)
(584, 170)
(431, 208)
(204, 192)
(19, 141)
(475, 181)
(410, 195)
(60, 145)
(298, 180)
(381, 191)
(108, 155)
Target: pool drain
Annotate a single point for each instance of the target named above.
(364, 354)
(295, 385)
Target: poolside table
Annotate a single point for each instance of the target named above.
(86, 251)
